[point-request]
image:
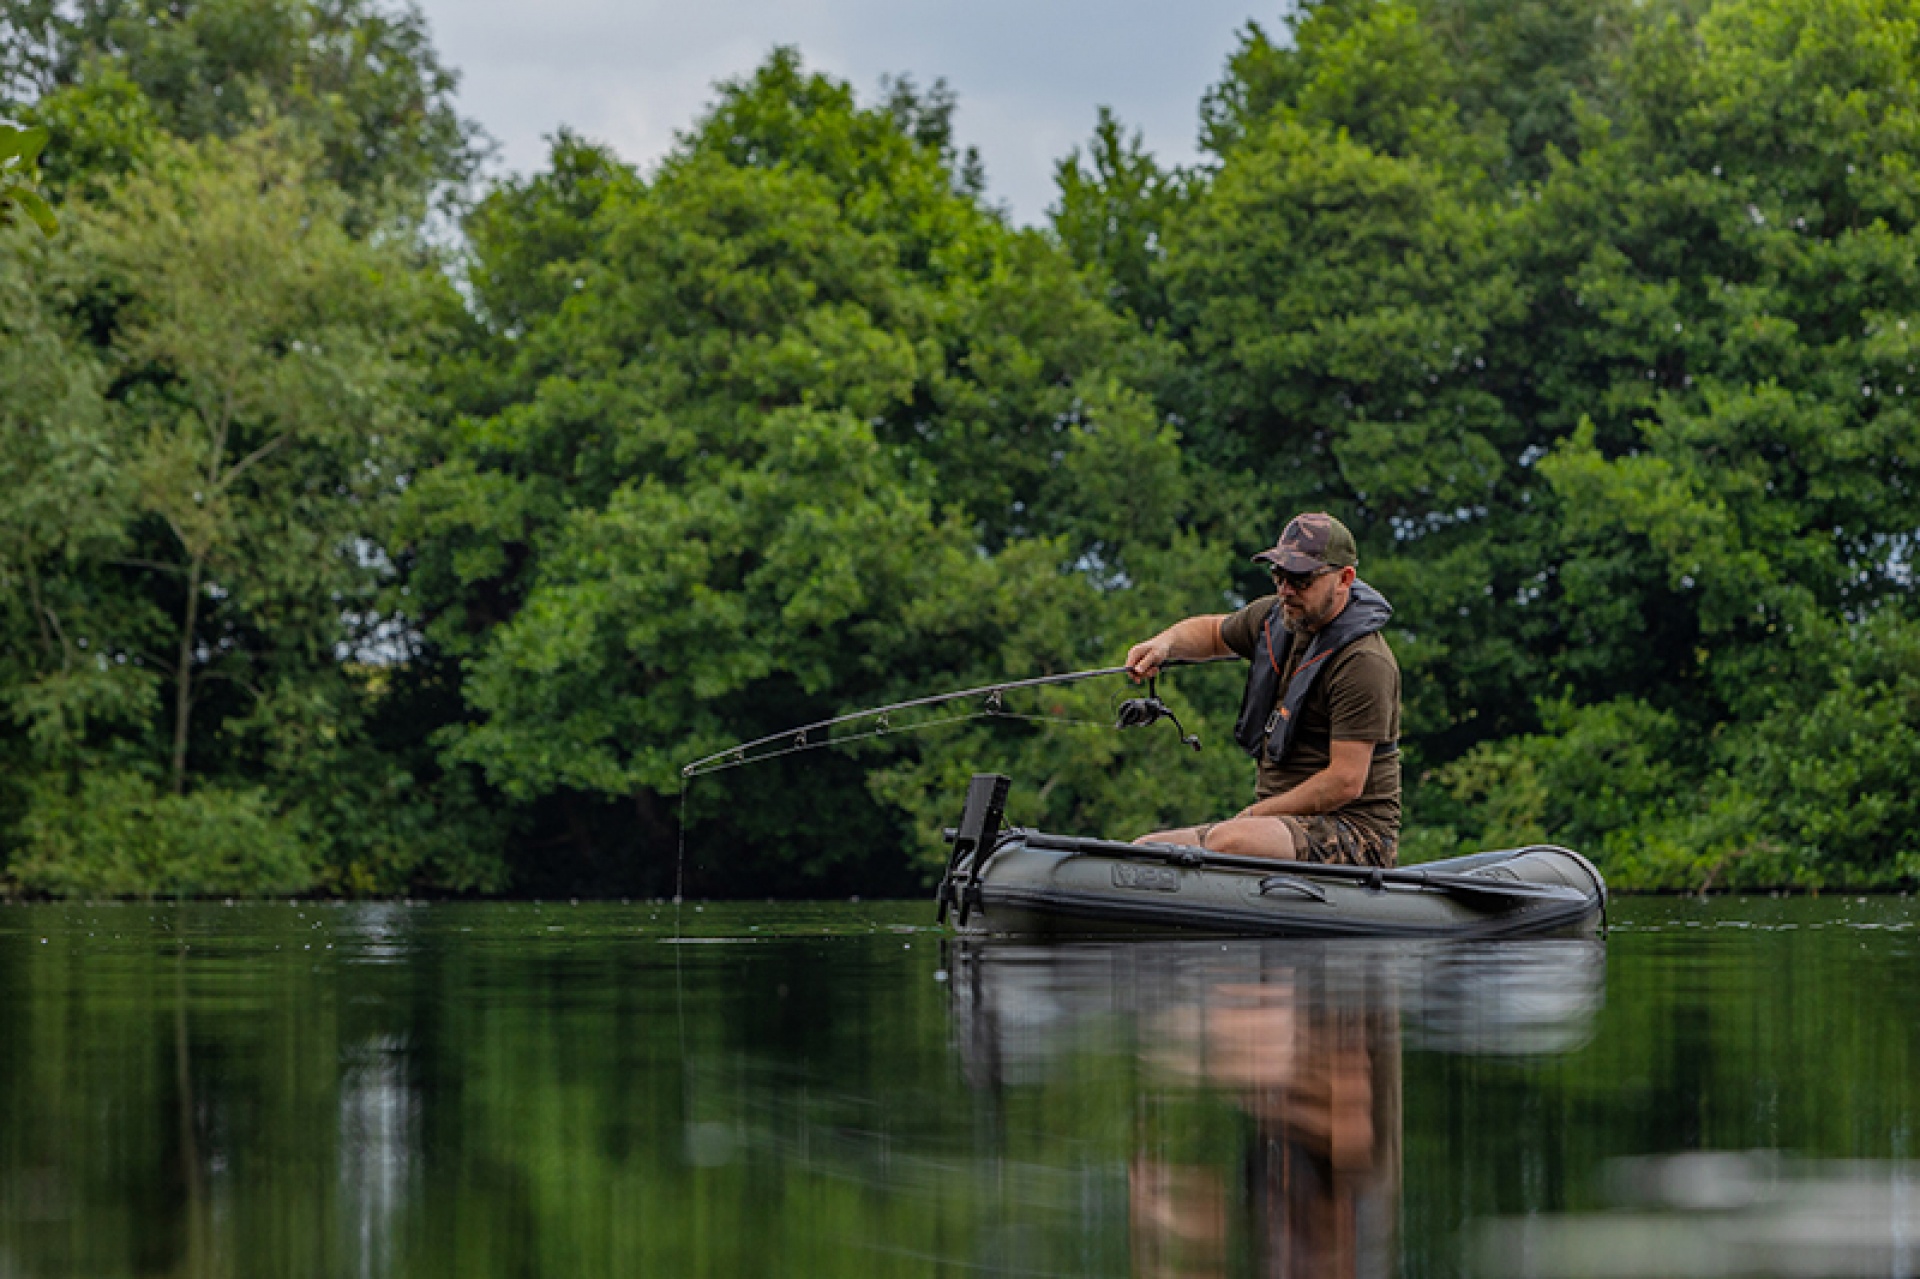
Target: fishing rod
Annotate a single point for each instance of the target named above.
(1135, 712)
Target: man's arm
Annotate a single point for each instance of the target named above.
(1194, 639)
(1340, 782)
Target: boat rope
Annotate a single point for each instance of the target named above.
(1133, 713)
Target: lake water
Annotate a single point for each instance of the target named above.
(1729, 1087)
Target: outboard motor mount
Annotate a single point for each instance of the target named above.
(973, 839)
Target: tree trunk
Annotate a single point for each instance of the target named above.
(183, 679)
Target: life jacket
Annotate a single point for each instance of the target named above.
(1267, 719)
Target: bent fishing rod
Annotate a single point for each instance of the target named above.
(1135, 712)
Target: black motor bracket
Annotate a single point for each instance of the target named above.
(973, 839)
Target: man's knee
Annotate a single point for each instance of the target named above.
(1254, 837)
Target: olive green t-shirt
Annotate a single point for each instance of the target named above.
(1356, 699)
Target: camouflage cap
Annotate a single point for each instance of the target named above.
(1312, 541)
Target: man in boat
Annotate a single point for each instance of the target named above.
(1321, 713)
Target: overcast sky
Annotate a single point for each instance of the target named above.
(1029, 73)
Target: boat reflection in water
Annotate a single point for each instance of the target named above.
(1267, 1113)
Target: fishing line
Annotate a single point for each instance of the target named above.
(680, 864)
(1137, 712)
(885, 729)
(1067, 721)
(802, 746)
(889, 730)
(1134, 712)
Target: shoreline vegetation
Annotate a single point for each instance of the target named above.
(348, 557)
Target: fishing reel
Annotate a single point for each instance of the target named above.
(1138, 712)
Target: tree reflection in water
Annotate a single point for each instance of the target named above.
(503, 1090)
(1301, 1041)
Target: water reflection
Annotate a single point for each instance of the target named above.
(495, 1090)
(377, 1141)
(1301, 1042)
(1720, 1213)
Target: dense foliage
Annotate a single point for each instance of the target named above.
(339, 565)
(19, 174)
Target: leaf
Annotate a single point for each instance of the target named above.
(20, 147)
(37, 209)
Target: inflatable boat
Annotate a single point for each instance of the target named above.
(1024, 882)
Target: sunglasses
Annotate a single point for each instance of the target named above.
(1298, 581)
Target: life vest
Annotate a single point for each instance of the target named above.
(1267, 719)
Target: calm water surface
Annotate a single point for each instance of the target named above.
(1728, 1087)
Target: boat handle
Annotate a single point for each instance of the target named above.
(1293, 883)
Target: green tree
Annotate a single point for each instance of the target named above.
(360, 80)
(1113, 210)
(1608, 363)
(19, 155)
(1593, 320)
(262, 391)
(1746, 302)
(1400, 74)
(795, 427)
(207, 629)
(65, 506)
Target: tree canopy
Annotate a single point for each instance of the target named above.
(343, 565)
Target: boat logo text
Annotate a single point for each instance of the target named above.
(1159, 879)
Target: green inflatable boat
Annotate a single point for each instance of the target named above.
(1023, 882)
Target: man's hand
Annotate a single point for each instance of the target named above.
(1145, 659)
(1191, 640)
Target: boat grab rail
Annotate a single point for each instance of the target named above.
(1293, 884)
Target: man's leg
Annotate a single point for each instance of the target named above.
(1247, 836)
(1273, 837)
(1191, 836)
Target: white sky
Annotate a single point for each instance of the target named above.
(1028, 75)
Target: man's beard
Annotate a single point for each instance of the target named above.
(1306, 619)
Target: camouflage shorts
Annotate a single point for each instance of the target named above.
(1342, 841)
